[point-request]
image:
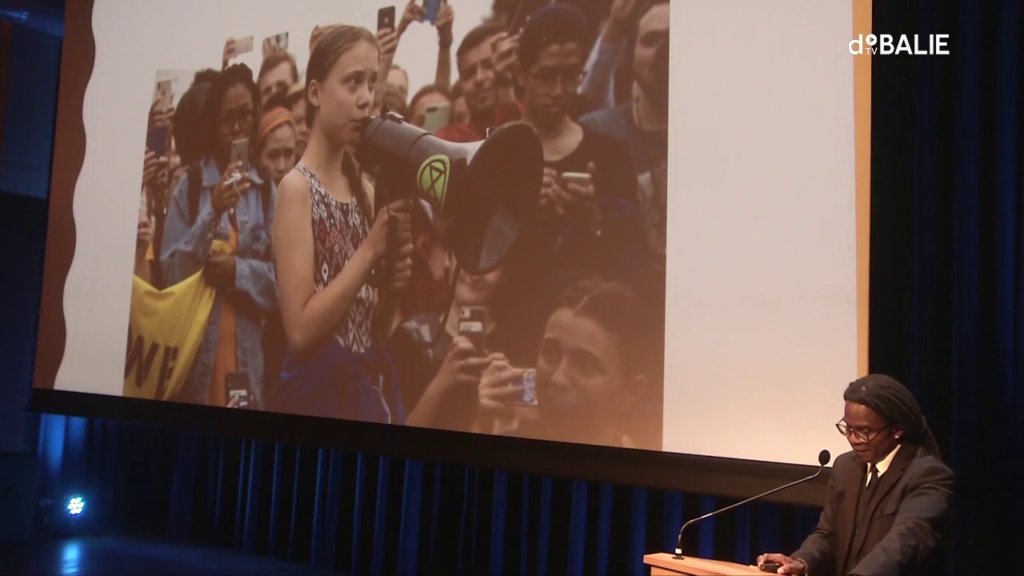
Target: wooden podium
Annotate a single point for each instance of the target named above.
(666, 565)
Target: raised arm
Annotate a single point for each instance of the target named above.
(387, 39)
(445, 18)
(599, 83)
(506, 62)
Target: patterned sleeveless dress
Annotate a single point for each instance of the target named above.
(348, 376)
(338, 230)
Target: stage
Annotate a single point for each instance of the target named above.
(109, 555)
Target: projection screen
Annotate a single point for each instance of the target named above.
(694, 280)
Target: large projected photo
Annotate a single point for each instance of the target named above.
(260, 243)
(462, 215)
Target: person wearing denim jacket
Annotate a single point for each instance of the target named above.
(188, 239)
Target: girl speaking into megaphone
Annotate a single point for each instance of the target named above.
(328, 244)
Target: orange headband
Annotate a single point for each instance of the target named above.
(272, 120)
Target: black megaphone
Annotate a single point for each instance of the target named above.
(487, 191)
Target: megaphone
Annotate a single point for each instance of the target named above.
(487, 191)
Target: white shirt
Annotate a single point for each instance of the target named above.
(883, 465)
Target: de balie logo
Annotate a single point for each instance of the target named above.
(914, 45)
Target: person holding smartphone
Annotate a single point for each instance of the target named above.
(331, 242)
(592, 380)
(226, 203)
(589, 221)
(437, 12)
(156, 173)
(441, 357)
(579, 163)
(190, 144)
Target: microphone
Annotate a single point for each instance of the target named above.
(824, 457)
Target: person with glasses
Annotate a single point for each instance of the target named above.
(588, 220)
(231, 207)
(889, 498)
(552, 52)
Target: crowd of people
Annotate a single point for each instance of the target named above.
(292, 241)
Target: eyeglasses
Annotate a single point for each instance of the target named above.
(859, 433)
(547, 80)
(242, 117)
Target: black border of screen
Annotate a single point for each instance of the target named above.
(716, 476)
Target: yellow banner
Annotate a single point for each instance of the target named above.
(165, 329)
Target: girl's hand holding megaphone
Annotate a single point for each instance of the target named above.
(399, 211)
(401, 272)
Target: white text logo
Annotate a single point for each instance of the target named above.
(886, 44)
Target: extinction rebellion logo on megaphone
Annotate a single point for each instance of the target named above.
(433, 178)
(910, 44)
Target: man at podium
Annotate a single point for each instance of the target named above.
(888, 499)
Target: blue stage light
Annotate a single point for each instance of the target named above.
(76, 505)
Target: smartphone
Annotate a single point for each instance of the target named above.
(237, 386)
(529, 383)
(436, 117)
(281, 40)
(240, 153)
(473, 326)
(431, 7)
(275, 43)
(386, 18)
(162, 94)
(158, 139)
(243, 45)
(581, 178)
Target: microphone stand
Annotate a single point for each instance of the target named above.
(679, 541)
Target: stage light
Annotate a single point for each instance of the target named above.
(76, 505)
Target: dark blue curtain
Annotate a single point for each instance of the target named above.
(947, 290)
(947, 299)
(378, 515)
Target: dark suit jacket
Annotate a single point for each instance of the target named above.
(903, 524)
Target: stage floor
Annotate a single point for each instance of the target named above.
(122, 556)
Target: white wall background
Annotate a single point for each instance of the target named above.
(190, 34)
(761, 334)
(761, 312)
